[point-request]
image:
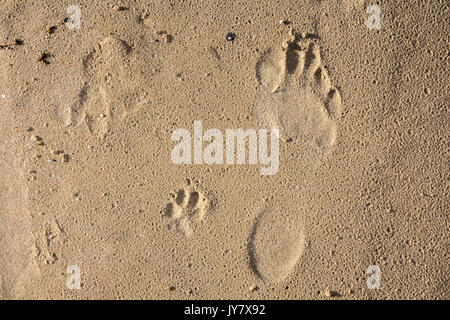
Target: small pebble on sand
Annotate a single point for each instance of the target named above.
(253, 288)
(230, 36)
(119, 8)
(330, 293)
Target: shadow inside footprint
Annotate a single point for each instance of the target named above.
(251, 251)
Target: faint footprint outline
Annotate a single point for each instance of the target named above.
(99, 101)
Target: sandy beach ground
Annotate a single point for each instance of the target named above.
(351, 201)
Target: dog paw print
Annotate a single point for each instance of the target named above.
(187, 208)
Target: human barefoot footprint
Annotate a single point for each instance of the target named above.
(188, 207)
(297, 97)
